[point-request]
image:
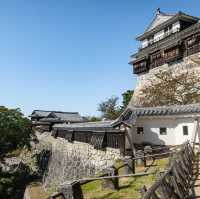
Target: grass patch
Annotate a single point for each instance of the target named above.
(129, 187)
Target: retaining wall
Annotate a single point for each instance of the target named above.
(73, 160)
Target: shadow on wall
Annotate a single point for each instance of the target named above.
(155, 139)
(158, 132)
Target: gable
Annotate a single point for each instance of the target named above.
(52, 115)
(40, 113)
(158, 19)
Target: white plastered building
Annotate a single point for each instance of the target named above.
(167, 125)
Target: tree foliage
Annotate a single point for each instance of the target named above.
(126, 98)
(15, 132)
(13, 184)
(110, 108)
(167, 88)
(93, 119)
(15, 129)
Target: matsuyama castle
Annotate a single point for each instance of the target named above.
(167, 43)
(168, 40)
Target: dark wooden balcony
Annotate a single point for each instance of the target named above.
(156, 63)
(173, 54)
(173, 58)
(193, 49)
(140, 67)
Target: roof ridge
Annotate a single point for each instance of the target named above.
(57, 111)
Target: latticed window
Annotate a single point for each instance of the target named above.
(174, 52)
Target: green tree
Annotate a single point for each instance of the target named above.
(15, 132)
(168, 88)
(126, 98)
(15, 129)
(93, 119)
(110, 108)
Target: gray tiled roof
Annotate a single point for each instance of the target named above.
(130, 115)
(69, 116)
(165, 110)
(65, 116)
(40, 113)
(50, 119)
(162, 20)
(98, 126)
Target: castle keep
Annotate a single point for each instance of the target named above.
(169, 38)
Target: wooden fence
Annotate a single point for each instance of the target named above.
(176, 182)
(99, 139)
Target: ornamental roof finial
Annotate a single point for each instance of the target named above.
(158, 11)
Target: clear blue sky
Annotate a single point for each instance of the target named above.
(70, 55)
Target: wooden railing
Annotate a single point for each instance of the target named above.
(175, 183)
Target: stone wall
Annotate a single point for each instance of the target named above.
(73, 160)
(190, 63)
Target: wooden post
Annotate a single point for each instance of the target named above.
(140, 161)
(196, 132)
(147, 151)
(143, 190)
(145, 160)
(129, 165)
(112, 183)
(122, 144)
(132, 147)
(71, 190)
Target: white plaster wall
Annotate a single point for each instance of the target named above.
(176, 26)
(144, 43)
(180, 138)
(152, 130)
(159, 35)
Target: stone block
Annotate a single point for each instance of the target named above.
(140, 162)
(129, 167)
(71, 190)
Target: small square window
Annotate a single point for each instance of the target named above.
(140, 130)
(163, 131)
(185, 130)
